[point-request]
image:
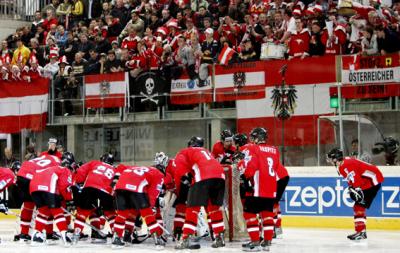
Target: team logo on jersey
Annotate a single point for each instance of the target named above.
(239, 79)
(104, 88)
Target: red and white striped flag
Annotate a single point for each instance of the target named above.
(23, 105)
(226, 55)
(106, 90)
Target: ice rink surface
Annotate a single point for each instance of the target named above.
(295, 240)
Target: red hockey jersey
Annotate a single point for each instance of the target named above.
(360, 174)
(142, 180)
(29, 168)
(198, 162)
(281, 172)
(219, 152)
(56, 180)
(261, 163)
(339, 39)
(7, 178)
(96, 174)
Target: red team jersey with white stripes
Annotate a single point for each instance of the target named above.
(29, 168)
(56, 180)
(360, 174)
(7, 178)
(261, 162)
(199, 162)
(96, 174)
(219, 152)
(141, 179)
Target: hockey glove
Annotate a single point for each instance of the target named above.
(70, 206)
(357, 195)
(3, 206)
(226, 160)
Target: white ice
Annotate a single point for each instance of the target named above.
(295, 240)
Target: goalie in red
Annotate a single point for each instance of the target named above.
(364, 181)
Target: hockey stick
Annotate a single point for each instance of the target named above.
(101, 233)
(12, 213)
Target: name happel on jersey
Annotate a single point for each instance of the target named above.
(268, 149)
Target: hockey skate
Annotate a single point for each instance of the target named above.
(358, 236)
(159, 242)
(66, 238)
(186, 244)
(117, 242)
(127, 237)
(52, 238)
(219, 241)
(265, 245)
(38, 239)
(22, 238)
(97, 238)
(251, 246)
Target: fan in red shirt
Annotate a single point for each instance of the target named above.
(48, 187)
(364, 181)
(136, 192)
(95, 179)
(207, 190)
(223, 149)
(52, 150)
(7, 178)
(260, 164)
(24, 177)
(299, 42)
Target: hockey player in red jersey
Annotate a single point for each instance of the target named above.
(181, 198)
(52, 150)
(260, 165)
(207, 190)
(95, 178)
(282, 176)
(364, 181)
(7, 178)
(48, 188)
(136, 193)
(24, 177)
(224, 149)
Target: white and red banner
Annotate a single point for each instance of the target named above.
(358, 69)
(312, 78)
(23, 105)
(187, 91)
(240, 81)
(106, 90)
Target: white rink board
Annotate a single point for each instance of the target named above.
(295, 240)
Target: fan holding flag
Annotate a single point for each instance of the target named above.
(226, 54)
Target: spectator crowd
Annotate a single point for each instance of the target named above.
(68, 39)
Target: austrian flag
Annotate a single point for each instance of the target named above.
(106, 90)
(226, 55)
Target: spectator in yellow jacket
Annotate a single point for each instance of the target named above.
(21, 54)
(77, 9)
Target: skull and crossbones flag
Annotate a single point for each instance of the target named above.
(150, 87)
(106, 90)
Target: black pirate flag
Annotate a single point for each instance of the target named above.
(150, 88)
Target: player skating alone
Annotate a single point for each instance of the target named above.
(260, 164)
(364, 181)
(48, 188)
(207, 190)
(24, 177)
(96, 178)
(136, 192)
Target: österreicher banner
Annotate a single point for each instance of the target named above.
(357, 69)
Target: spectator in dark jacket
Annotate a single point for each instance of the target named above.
(93, 66)
(119, 11)
(85, 45)
(316, 46)
(388, 41)
(112, 64)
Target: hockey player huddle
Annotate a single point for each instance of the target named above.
(127, 196)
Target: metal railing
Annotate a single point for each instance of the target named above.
(23, 10)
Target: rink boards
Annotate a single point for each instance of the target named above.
(317, 197)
